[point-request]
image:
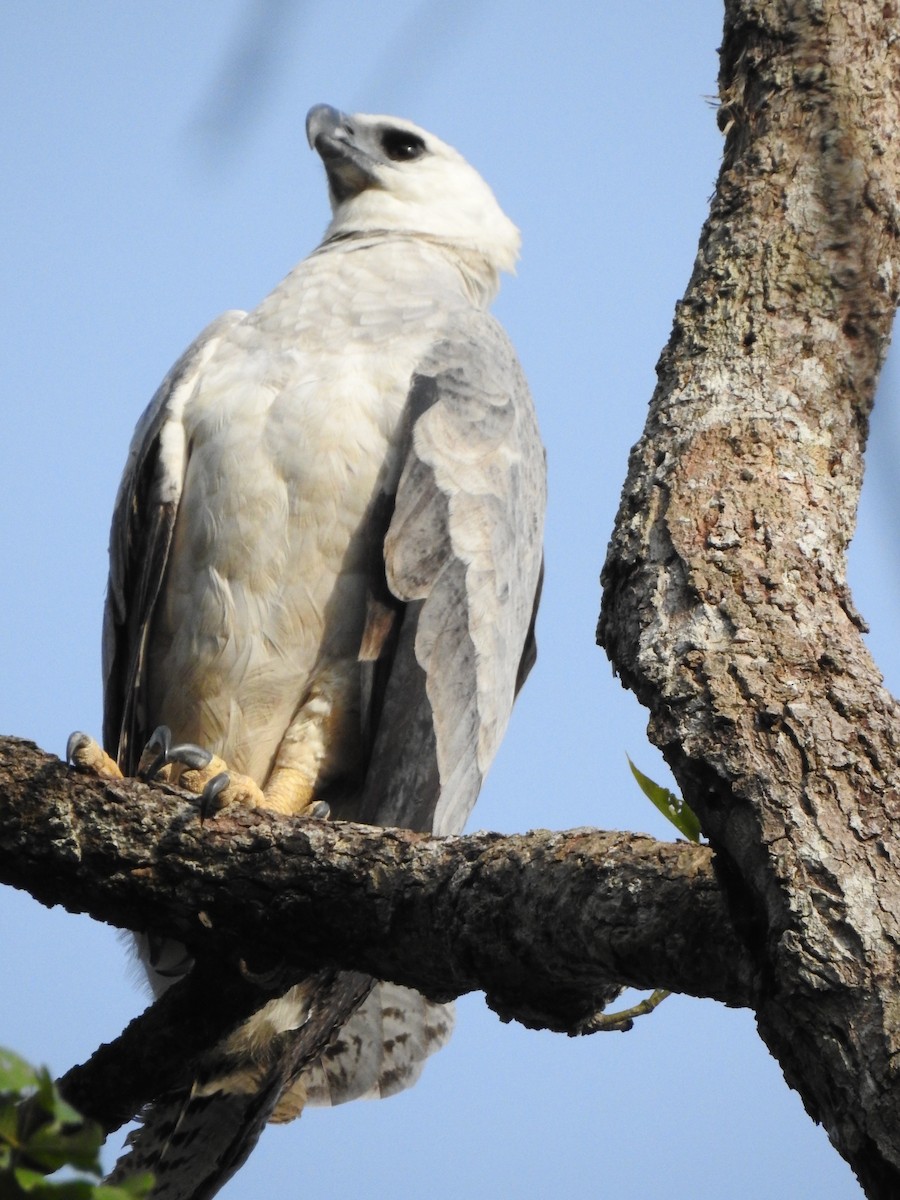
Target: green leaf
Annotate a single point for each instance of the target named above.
(28, 1179)
(16, 1075)
(40, 1133)
(54, 1104)
(672, 807)
(67, 1189)
(9, 1123)
(73, 1143)
(138, 1187)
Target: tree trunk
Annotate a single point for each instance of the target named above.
(726, 607)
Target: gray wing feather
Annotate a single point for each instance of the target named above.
(463, 551)
(140, 538)
(449, 643)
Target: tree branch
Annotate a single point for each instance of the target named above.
(160, 1050)
(540, 922)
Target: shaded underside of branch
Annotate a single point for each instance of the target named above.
(543, 922)
(535, 920)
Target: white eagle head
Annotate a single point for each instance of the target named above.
(388, 174)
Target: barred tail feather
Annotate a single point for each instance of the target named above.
(380, 1051)
(194, 1140)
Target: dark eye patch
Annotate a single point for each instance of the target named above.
(402, 146)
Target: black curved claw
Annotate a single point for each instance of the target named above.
(191, 756)
(160, 742)
(75, 742)
(319, 810)
(209, 797)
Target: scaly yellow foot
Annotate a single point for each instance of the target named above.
(287, 792)
(232, 787)
(204, 774)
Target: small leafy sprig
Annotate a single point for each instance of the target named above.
(673, 808)
(682, 816)
(40, 1134)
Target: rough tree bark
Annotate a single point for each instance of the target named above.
(725, 609)
(725, 605)
(540, 922)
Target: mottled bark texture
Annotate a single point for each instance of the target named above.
(726, 607)
(540, 922)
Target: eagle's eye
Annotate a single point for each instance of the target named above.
(402, 146)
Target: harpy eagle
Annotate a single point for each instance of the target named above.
(325, 565)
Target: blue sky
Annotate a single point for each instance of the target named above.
(156, 173)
